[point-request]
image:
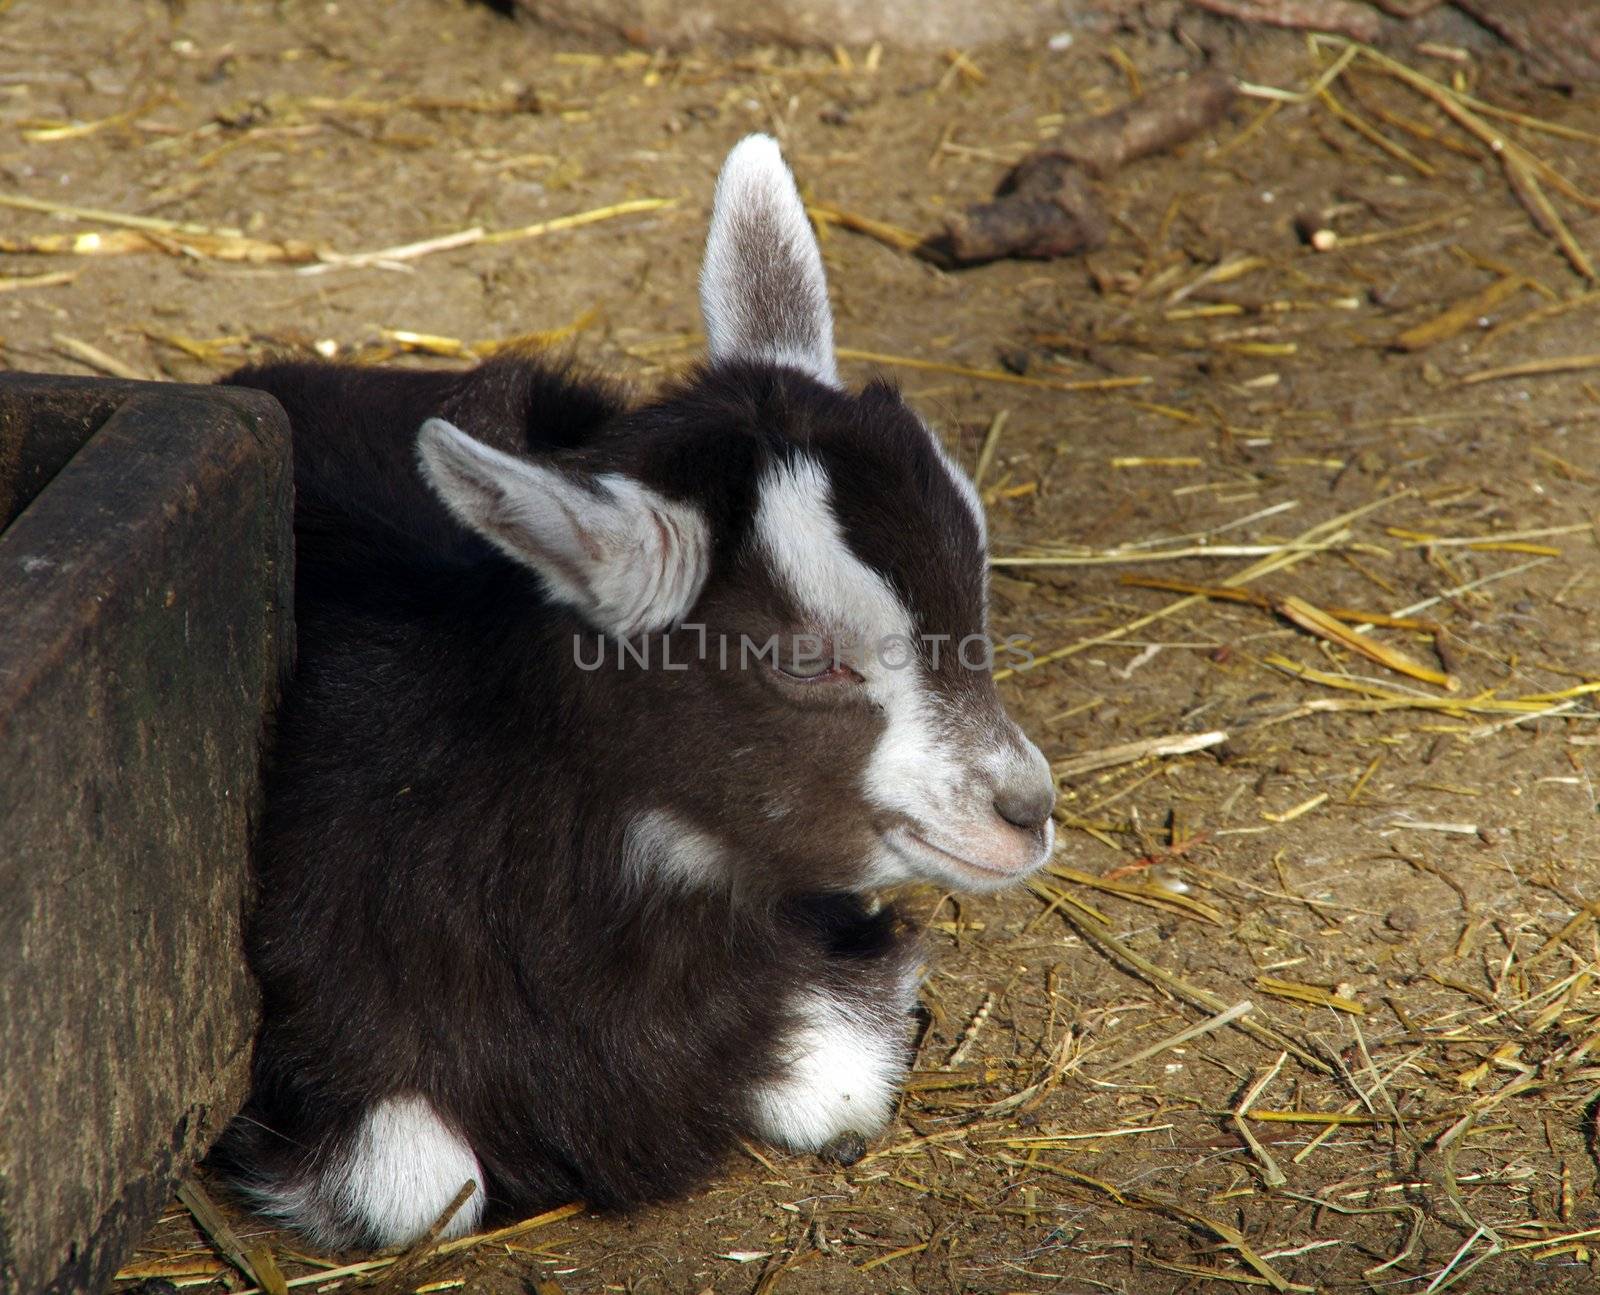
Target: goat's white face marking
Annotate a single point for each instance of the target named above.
(796, 528)
(763, 292)
(403, 1168)
(842, 1074)
(933, 771)
(626, 558)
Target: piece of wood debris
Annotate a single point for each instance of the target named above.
(1143, 749)
(19, 282)
(1166, 117)
(1467, 313)
(1342, 16)
(1316, 621)
(126, 242)
(95, 358)
(1449, 829)
(1237, 1012)
(1534, 368)
(1044, 209)
(256, 1263)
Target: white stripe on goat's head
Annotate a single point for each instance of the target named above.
(890, 582)
(816, 563)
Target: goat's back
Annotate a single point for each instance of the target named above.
(355, 474)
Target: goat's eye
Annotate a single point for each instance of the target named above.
(810, 671)
(809, 659)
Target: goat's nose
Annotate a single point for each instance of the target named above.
(1026, 803)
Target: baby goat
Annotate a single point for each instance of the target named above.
(606, 725)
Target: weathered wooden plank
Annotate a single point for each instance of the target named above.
(145, 622)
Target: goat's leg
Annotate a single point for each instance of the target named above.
(843, 1055)
(385, 1187)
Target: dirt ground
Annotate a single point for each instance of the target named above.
(1398, 876)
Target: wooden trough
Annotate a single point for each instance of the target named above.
(146, 568)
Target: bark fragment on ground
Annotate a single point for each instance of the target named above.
(1559, 38)
(1346, 17)
(1046, 208)
(1153, 123)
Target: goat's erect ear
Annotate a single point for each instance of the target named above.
(627, 559)
(762, 290)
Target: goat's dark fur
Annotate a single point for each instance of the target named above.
(568, 930)
(442, 909)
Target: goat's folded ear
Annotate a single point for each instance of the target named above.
(626, 558)
(762, 288)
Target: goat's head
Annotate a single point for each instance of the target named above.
(812, 564)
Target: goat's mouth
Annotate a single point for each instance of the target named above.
(914, 848)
